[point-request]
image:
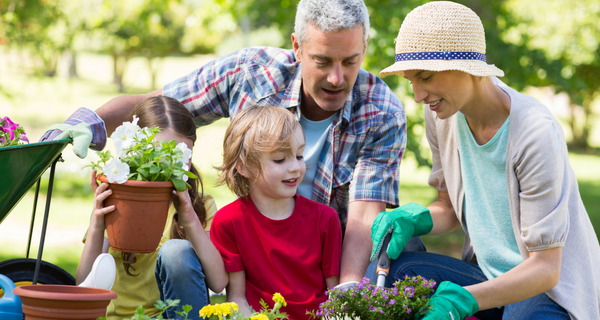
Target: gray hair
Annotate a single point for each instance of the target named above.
(331, 16)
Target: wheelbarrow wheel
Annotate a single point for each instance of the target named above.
(21, 271)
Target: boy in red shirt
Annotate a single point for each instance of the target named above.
(271, 239)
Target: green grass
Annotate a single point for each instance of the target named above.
(37, 103)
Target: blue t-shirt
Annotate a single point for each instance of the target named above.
(486, 207)
(316, 134)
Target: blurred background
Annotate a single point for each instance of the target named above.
(59, 55)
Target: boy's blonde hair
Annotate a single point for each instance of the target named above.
(254, 131)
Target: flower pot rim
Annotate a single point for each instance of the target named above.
(135, 183)
(77, 293)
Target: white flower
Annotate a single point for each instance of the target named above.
(124, 134)
(116, 171)
(187, 153)
(185, 177)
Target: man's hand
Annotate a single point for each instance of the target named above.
(451, 302)
(404, 222)
(84, 128)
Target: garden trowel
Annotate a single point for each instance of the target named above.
(383, 261)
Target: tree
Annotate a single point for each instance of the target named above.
(40, 28)
(561, 42)
(157, 28)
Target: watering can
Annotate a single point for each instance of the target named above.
(10, 304)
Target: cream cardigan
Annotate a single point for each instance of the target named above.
(545, 205)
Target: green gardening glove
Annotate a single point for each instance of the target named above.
(451, 302)
(79, 133)
(84, 127)
(409, 220)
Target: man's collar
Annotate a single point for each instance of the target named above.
(292, 96)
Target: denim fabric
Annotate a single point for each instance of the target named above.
(443, 268)
(179, 275)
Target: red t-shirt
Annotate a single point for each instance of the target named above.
(291, 256)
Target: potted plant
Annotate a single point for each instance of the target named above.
(406, 299)
(142, 176)
(11, 134)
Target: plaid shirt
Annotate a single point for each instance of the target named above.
(361, 156)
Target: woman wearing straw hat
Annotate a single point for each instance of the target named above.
(501, 169)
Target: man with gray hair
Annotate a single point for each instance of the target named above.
(355, 126)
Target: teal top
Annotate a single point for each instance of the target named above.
(316, 134)
(486, 208)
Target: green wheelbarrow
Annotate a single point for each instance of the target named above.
(20, 168)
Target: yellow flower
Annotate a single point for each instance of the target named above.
(219, 310)
(228, 308)
(277, 297)
(208, 311)
(259, 317)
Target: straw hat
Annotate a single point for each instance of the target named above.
(438, 36)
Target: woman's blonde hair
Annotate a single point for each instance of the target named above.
(254, 131)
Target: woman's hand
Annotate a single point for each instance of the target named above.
(101, 192)
(185, 210)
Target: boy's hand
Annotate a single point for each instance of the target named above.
(84, 127)
(101, 192)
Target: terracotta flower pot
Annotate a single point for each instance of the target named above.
(58, 302)
(138, 222)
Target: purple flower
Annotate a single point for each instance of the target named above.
(392, 302)
(409, 310)
(23, 137)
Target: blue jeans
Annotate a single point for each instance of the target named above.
(179, 276)
(443, 268)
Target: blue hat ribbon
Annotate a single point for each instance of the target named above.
(445, 55)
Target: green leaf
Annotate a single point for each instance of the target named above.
(167, 173)
(187, 308)
(160, 304)
(154, 169)
(179, 184)
(191, 175)
(143, 172)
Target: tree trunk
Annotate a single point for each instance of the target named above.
(72, 65)
(153, 67)
(119, 65)
(580, 125)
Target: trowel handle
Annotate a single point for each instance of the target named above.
(383, 261)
